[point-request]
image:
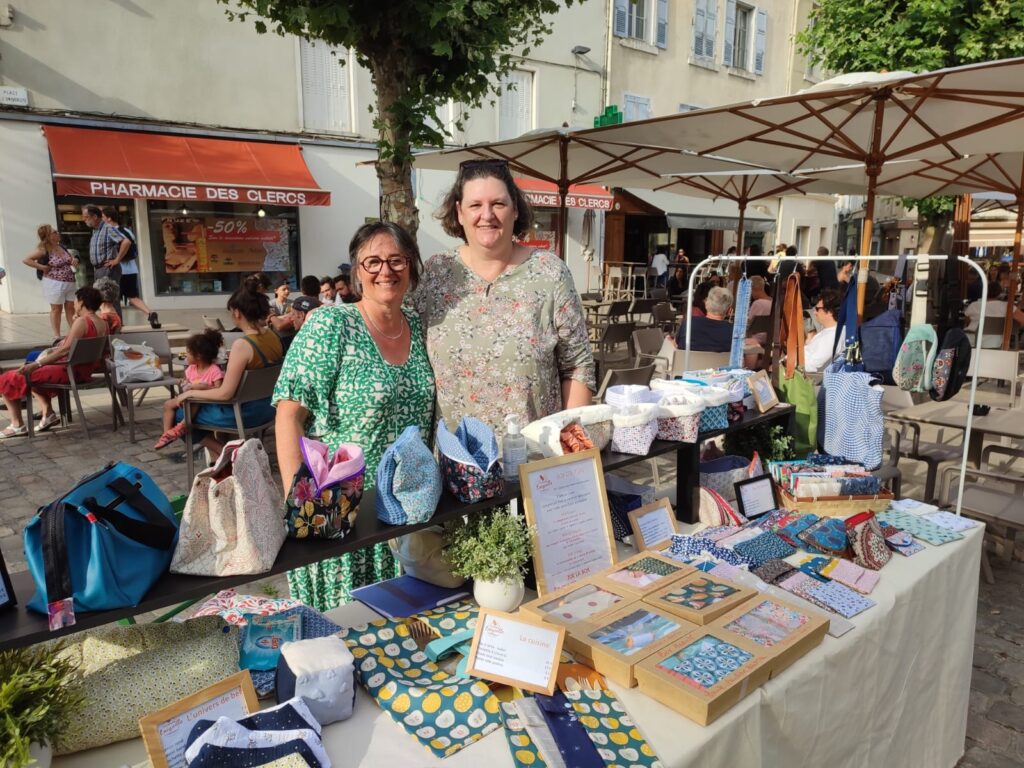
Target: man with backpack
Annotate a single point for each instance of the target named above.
(128, 259)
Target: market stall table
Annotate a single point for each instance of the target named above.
(1000, 422)
(893, 691)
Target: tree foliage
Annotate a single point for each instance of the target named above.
(420, 54)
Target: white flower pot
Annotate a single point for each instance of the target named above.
(499, 595)
(40, 755)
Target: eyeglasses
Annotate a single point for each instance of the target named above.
(395, 263)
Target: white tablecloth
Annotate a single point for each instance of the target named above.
(893, 691)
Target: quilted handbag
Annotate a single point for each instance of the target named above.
(722, 474)
(827, 537)
(443, 712)
(232, 525)
(715, 511)
(634, 428)
(408, 481)
(130, 671)
(103, 543)
(867, 541)
(326, 491)
(469, 460)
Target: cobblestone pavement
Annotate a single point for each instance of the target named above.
(31, 472)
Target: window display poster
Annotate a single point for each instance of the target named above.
(567, 507)
(516, 651)
(221, 244)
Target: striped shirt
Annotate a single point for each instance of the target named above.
(105, 243)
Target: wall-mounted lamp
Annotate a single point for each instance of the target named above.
(580, 50)
(261, 213)
(577, 51)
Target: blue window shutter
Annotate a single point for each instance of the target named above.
(621, 18)
(699, 14)
(730, 31)
(710, 28)
(759, 41)
(661, 32)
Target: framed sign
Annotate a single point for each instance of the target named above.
(567, 508)
(165, 731)
(763, 391)
(7, 598)
(516, 650)
(756, 496)
(653, 525)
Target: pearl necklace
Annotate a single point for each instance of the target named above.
(375, 327)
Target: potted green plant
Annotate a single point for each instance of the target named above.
(38, 696)
(492, 549)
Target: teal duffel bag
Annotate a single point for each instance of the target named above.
(103, 543)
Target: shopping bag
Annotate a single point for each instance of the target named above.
(792, 386)
(135, 362)
(103, 543)
(233, 522)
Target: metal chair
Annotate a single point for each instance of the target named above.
(647, 346)
(82, 352)
(665, 317)
(613, 346)
(661, 294)
(642, 307)
(122, 392)
(699, 361)
(889, 472)
(910, 445)
(256, 384)
(616, 376)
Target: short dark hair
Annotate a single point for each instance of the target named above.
(328, 280)
(822, 251)
(448, 213)
(263, 279)
(283, 284)
(111, 213)
(406, 244)
(791, 251)
(92, 210)
(342, 279)
(830, 299)
(205, 346)
(310, 286)
(250, 300)
(89, 297)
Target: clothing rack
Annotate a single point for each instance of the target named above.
(862, 277)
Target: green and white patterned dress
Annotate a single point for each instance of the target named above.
(334, 370)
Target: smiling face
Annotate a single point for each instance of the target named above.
(487, 213)
(386, 286)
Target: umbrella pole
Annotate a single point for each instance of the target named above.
(865, 244)
(734, 267)
(563, 190)
(1011, 296)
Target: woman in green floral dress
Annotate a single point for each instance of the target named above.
(356, 373)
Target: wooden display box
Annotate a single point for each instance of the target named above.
(614, 644)
(705, 691)
(583, 601)
(700, 597)
(643, 573)
(781, 629)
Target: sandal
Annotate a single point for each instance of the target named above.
(13, 431)
(48, 422)
(171, 435)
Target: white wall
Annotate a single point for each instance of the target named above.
(26, 201)
(816, 212)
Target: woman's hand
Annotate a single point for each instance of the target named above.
(29, 367)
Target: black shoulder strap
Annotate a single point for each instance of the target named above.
(156, 532)
(126, 233)
(55, 553)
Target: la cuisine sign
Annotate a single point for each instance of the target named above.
(178, 191)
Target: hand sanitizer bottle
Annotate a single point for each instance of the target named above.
(513, 450)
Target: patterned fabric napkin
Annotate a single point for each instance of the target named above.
(765, 547)
(920, 527)
(951, 521)
(854, 576)
(840, 599)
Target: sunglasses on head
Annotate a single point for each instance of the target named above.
(489, 163)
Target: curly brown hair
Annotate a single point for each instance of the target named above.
(448, 213)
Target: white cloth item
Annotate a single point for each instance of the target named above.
(227, 733)
(324, 670)
(818, 351)
(993, 308)
(58, 292)
(660, 263)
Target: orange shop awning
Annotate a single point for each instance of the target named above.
(545, 195)
(100, 163)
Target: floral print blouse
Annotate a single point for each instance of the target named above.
(503, 347)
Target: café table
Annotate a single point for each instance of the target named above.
(893, 691)
(1000, 422)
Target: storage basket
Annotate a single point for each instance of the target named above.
(679, 421)
(634, 429)
(835, 506)
(622, 395)
(716, 406)
(596, 420)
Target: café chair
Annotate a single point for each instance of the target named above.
(647, 344)
(639, 375)
(83, 352)
(122, 393)
(911, 446)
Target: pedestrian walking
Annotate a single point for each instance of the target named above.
(56, 267)
(127, 258)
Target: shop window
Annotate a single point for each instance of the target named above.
(211, 248)
(544, 233)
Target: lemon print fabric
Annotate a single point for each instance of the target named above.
(612, 730)
(524, 752)
(442, 712)
(451, 618)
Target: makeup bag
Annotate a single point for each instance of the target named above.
(866, 539)
(634, 428)
(469, 460)
(679, 415)
(326, 491)
(408, 481)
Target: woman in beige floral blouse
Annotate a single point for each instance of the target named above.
(505, 330)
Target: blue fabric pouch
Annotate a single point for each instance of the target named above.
(469, 460)
(572, 738)
(408, 481)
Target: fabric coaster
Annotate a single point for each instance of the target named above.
(921, 528)
(841, 599)
(770, 571)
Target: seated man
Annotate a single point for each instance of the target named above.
(711, 333)
(760, 306)
(818, 347)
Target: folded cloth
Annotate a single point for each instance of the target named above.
(685, 548)
(840, 599)
(246, 756)
(766, 546)
(288, 716)
(572, 738)
(225, 742)
(920, 527)
(234, 608)
(951, 521)
(611, 728)
(408, 481)
(791, 531)
(771, 571)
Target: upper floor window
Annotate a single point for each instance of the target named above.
(705, 28)
(635, 107)
(741, 36)
(326, 90)
(746, 30)
(515, 107)
(633, 20)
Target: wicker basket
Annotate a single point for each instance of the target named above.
(836, 506)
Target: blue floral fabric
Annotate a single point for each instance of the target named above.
(765, 547)
(686, 548)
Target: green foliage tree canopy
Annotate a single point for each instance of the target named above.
(420, 54)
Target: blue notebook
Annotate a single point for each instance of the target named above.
(406, 596)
